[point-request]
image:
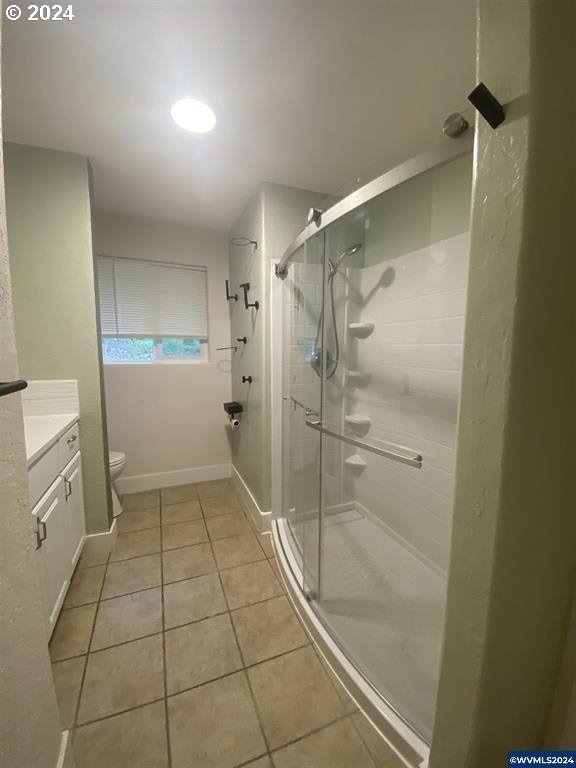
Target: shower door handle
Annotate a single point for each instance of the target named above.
(411, 461)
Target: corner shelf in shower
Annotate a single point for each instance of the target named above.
(358, 378)
(355, 463)
(358, 424)
(361, 330)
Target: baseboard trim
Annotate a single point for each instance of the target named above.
(262, 520)
(137, 483)
(100, 543)
(65, 756)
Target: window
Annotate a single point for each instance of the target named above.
(151, 312)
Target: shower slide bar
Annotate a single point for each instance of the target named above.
(411, 461)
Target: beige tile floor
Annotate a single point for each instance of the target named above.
(181, 650)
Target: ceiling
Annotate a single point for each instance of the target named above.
(320, 95)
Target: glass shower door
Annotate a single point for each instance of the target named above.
(394, 295)
(302, 400)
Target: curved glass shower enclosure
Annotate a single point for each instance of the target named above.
(373, 317)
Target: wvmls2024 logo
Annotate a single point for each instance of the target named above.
(539, 757)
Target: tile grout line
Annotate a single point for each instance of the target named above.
(313, 732)
(187, 624)
(229, 612)
(97, 603)
(184, 546)
(247, 679)
(192, 687)
(172, 549)
(75, 573)
(244, 668)
(121, 712)
(209, 682)
(363, 741)
(155, 586)
(81, 691)
(175, 581)
(166, 715)
(113, 597)
(122, 643)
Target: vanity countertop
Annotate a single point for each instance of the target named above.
(41, 432)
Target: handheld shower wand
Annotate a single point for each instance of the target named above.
(332, 361)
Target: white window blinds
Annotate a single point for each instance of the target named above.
(151, 299)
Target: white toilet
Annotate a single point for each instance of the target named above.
(117, 460)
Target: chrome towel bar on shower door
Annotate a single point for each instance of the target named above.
(412, 461)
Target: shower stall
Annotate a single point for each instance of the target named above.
(373, 301)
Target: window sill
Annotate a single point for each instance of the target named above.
(158, 363)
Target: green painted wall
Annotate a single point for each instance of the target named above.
(247, 444)
(513, 557)
(50, 243)
(430, 207)
(273, 217)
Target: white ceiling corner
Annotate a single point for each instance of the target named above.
(320, 95)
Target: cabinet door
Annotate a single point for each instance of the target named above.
(75, 509)
(52, 525)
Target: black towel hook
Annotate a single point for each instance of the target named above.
(230, 295)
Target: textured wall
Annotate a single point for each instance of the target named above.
(50, 238)
(513, 555)
(29, 724)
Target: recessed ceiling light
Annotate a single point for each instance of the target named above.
(193, 115)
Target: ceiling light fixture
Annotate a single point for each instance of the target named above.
(193, 115)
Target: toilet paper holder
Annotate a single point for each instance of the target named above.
(233, 409)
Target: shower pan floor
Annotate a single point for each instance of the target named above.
(385, 608)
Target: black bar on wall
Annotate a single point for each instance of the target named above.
(230, 295)
(9, 387)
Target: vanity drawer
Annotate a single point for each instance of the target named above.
(68, 445)
(42, 474)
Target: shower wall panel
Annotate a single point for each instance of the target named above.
(413, 358)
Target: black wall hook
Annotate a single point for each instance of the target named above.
(488, 105)
(243, 339)
(230, 295)
(246, 288)
(246, 379)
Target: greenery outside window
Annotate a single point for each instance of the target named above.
(153, 350)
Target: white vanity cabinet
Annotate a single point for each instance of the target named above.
(58, 517)
(74, 493)
(52, 537)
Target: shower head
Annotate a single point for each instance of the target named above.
(344, 255)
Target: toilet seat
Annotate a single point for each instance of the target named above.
(116, 458)
(116, 462)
